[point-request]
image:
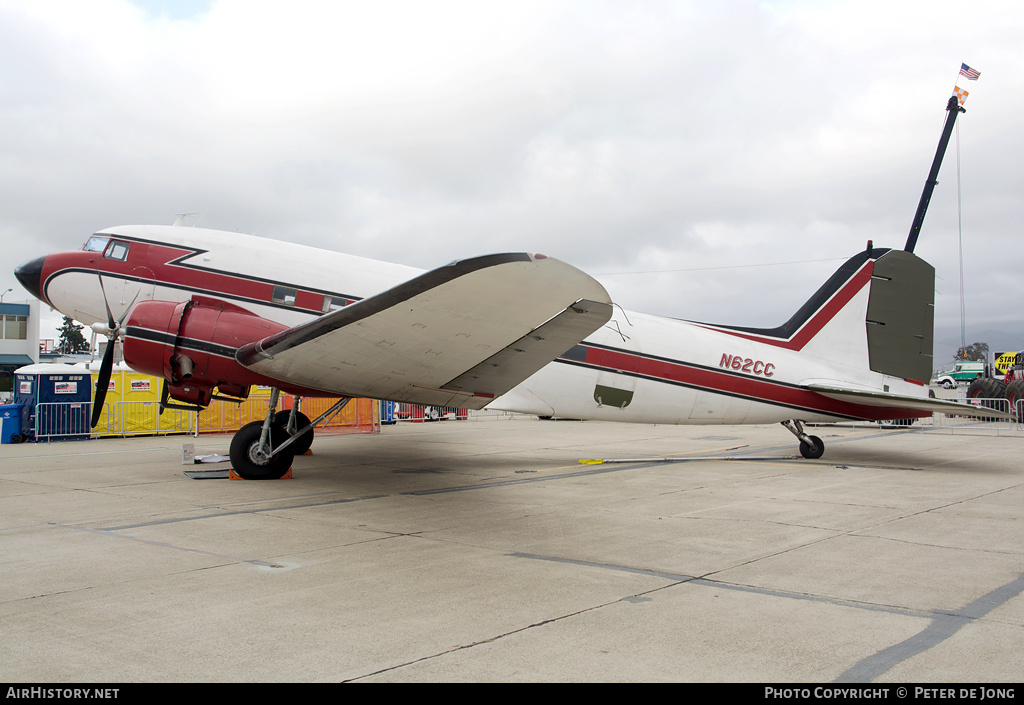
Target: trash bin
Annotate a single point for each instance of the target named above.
(10, 423)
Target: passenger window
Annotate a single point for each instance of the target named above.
(333, 303)
(284, 295)
(117, 250)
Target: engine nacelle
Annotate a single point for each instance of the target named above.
(192, 345)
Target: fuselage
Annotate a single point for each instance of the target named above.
(638, 368)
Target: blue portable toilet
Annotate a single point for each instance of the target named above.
(57, 399)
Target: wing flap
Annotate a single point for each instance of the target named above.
(902, 401)
(455, 336)
(513, 364)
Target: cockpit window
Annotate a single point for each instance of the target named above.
(117, 250)
(96, 244)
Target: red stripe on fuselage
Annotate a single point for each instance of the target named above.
(721, 382)
(167, 265)
(815, 323)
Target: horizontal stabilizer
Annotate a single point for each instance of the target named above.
(901, 401)
(458, 335)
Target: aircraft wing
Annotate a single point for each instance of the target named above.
(458, 335)
(901, 401)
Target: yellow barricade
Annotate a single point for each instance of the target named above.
(132, 408)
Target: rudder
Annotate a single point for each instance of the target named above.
(901, 316)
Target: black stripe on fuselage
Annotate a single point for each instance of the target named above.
(820, 297)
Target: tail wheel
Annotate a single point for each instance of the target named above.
(302, 444)
(250, 462)
(812, 452)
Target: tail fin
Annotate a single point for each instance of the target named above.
(901, 316)
(876, 311)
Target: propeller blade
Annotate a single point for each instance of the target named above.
(164, 395)
(120, 321)
(111, 323)
(103, 382)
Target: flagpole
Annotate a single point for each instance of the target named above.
(952, 110)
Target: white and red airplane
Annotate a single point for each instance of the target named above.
(214, 313)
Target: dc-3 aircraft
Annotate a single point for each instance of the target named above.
(214, 313)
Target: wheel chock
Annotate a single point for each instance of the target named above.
(232, 475)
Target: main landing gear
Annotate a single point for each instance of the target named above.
(811, 447)
(263, 450)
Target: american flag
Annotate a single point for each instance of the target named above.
(971, 74)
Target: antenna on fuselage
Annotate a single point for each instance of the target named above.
(179, 219)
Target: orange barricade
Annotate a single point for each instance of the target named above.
(358, 416)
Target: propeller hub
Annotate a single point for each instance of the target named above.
(101, 328)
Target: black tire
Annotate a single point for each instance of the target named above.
(987, 390)
(997, 388)
(1014, 393)
(301, 445)
(432, 413)
(812, 453)
(248, 465)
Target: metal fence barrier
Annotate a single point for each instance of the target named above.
(138, 418)
(61, 420)
(996, 424)
(72, 420)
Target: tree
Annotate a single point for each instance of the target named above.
(71, 339)
(975, 352)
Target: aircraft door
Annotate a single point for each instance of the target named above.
(615, 386)
(139, 286)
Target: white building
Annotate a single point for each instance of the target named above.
(19, 339)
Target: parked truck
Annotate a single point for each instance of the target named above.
(962, 371)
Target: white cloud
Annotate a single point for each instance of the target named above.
(619, 137)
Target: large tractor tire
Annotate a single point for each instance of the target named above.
(987, 390)
(1014, 393)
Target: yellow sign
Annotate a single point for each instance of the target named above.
(1006, 360)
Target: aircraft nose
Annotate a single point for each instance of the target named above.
(30, 275)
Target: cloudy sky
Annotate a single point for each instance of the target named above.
(711, 161)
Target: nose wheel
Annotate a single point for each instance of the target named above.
(811, 447)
